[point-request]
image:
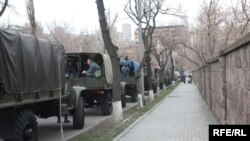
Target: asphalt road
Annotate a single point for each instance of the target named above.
(49, 129)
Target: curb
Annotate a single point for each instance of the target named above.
(90, 127)
(84, 130)
(117, 138)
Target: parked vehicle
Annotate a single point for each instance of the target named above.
(130, 79)
(32, 79)
(95, 91)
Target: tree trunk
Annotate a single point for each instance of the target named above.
(162, 77)
(4, 7)
(111, 48)
(172, 66)
(149, 77)
(158, 82)
(31, 16)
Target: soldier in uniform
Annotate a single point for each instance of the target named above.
(93, 67)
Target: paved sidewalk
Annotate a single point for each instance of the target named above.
(182, 116)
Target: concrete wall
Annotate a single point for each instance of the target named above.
(224, 83)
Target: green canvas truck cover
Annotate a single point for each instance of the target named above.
(30, 65)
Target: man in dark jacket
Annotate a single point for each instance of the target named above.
(93, 67)
(71, 69)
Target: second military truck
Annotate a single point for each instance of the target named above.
(96, 91)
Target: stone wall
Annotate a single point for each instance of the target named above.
(224, 83)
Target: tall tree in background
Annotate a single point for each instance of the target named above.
(111, 21)
(245, 16)
(204, 39)
(4, 6)
(71, 41)
(161, 53)
(236, 21)
(31, 15)
(192, 50)
(112, 51)
(150, 10)
(209, 22)
(171, 42)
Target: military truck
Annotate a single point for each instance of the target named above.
(32, 80)
(95, 91)
(128, 70)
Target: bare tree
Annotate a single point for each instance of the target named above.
(111, 21)
(112, 51)
(237, 18)
(192, 49)
(204, 39)
(31, 15)
(210, 19)
(26, 28)
(170, 38)
(171, 42)
(150, 10)
(217, 27)
(161, 54)
(245, 17)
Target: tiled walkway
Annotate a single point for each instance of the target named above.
(182, 116)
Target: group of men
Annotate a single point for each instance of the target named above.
(186, 79)
(126, 68)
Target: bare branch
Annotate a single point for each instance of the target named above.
(4, 6)
(245, 7)
(31, 15)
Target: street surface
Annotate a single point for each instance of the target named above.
(49, 129)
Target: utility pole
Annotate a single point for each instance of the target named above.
(141, 52)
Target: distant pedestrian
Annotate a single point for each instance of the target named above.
(183, 78)
(189, 79)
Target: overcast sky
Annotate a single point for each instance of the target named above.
(82, 14)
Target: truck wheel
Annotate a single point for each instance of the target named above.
(106, 104)
(25, 126)
(79, 115)
(123, 100)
